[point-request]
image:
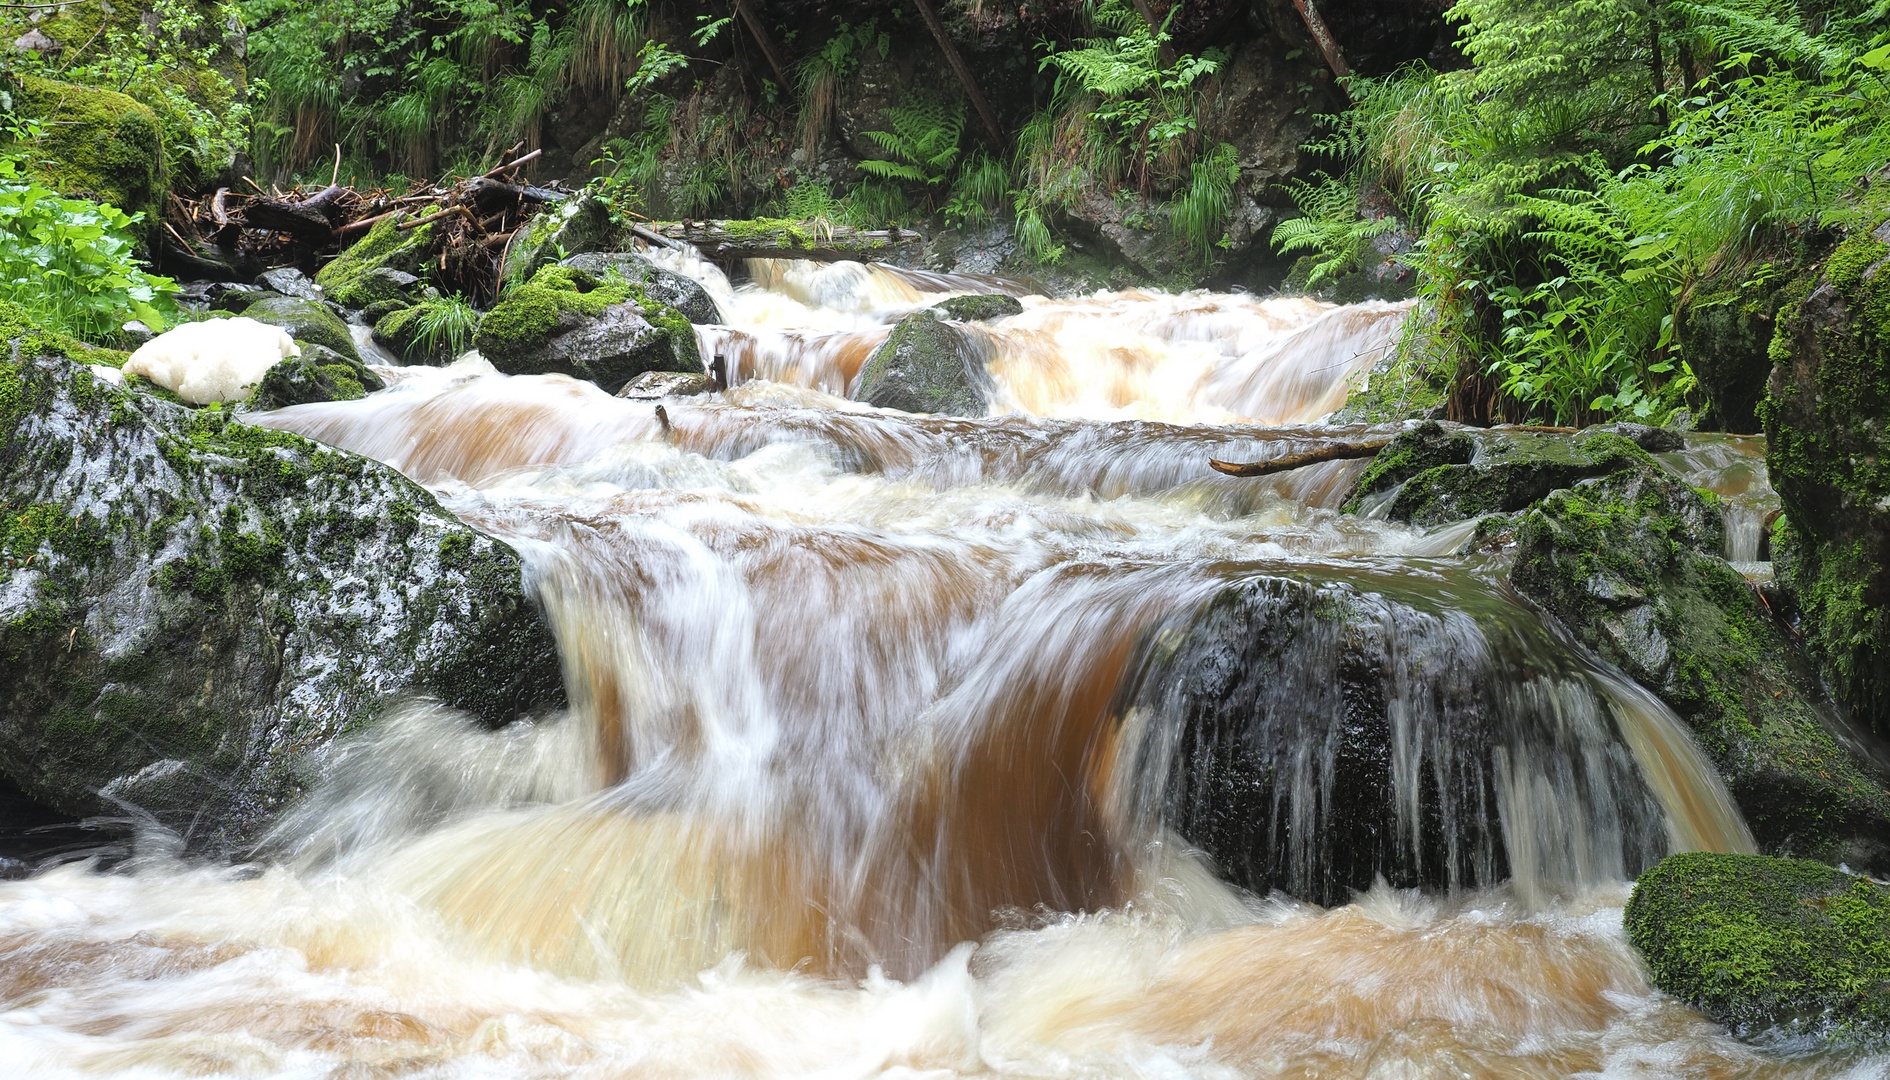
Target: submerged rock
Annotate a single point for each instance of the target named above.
(652, 385)
(1775, 949)
(1827, 426)
(982, 307)
(1316, 736)
(663, 286)
(307, 321)
(568, 322)
(926, 367)
(194, 609)
(351, 280)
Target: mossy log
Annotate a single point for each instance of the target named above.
(782, 238)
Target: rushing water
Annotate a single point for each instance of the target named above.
(914, 746)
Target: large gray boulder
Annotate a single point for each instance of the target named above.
(305, 320)
(925, 366)
(666, 286)
(193, 610)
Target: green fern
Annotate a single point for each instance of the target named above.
(923, 141)
(1329, 227)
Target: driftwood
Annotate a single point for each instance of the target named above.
(1334, 452)
(965, 78)
(1322, 36)
(766, 40)
(786, 240)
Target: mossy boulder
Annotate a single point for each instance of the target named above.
(1827, 425)
(98, 145)
(307, 321)
(319, 374)
(1434, 474)
(194, 609)
(1630, 564)
(1775, 949)
(576, 225)
(982, 307)
(925, 366)
(663, 286)
(1724, 323)
(350, 279)
(608, 330)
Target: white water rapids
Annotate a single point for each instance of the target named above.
(850, 785)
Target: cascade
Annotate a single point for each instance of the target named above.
(900, 744)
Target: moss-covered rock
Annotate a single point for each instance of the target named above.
(1827, 426)
(193, 609)
(1772, 948)
(307, 321)
(574, 226)
(98, 145)
(608, 330)
(403, 332)
(1630, 564)
(349, 279)
(925, 366)
(1724, 323)
(319, 374)
(663, 286)
(1434, 474)
(982, 307)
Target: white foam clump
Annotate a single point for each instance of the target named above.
(215, 360)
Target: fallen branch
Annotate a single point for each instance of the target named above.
(1334, 452)
(510, 165)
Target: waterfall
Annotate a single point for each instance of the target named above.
(1023, 743)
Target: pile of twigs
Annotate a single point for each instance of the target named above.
(473, 217)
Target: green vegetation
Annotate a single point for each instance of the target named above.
(434, 331)
(1770, 947)
(1593, 159)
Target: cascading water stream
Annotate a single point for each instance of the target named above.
(851, 689)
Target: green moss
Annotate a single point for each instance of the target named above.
(307, 321)
(385, 245)
(533, 312)
(1770, 947)
(99, 144)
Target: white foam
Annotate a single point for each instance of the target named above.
(215, 360)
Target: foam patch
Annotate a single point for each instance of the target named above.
(215, 360)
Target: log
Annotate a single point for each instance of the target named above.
(1322, 36)
(298, 219)
(1334, 452)
(726, 241)
(486, 192)
(766, 40)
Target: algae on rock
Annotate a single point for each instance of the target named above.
(349, 279)
(608, 330)
(194, 609)
(1775, 949)
(99, 145)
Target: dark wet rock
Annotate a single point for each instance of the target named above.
(575, 226)
(349, 279)
(307, 321)
(979, 308)
(1724, 323)
(289, 281)
(1778, 950)
(652, 385)
(193, 609)
(683, 294)
(565, 321)
(319, 374)
(1827, 426)
(1316, 735)
(220, 295)
(926, 367)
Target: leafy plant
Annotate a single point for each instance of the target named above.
(445, 325)
(1200, 210)
(1329, 227)
(69, 262)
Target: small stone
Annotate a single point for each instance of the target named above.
(979, 308)
(34, 41)
(136, 333)
(289, 281)
(652, 385)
